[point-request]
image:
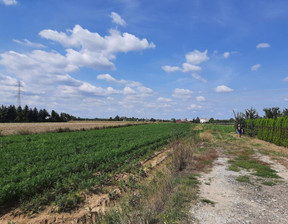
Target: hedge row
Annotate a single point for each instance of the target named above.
(272, 130)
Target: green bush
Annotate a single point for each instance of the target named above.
(272, 130)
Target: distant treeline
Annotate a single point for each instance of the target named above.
(118, 118)
(26, 114)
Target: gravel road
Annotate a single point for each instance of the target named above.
(225, 200)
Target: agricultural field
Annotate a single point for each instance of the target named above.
(38, 169)
(43, 127)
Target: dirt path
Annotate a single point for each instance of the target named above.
(223, 199)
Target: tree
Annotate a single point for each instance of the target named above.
(239, 119)
(43, 114)
(11, 113)
(211, 120)
(117, 118)
(19, 117)
(26, 113)
(273, 112)
(55, 116)
(285, 112)
(251, 113)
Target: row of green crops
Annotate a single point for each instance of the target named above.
(61, 163)
(272, 130)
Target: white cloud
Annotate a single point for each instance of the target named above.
(191, 65)
(194, 106)
(29, 43)
(255, 67)
(226, 54)
(197, 57)
(168, 68)
(190, 68)
(129, 91)
(116, 18)
(200, 98)
(286, 79)
(223, 89)
(9, 2)
(109, 78)
(262, 45)
(198, 77)
(92, 50)
(286, 99)
(182, 93)
(164, 100)
(106, 77)
(144, 90)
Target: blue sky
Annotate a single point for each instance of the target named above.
(161, 59)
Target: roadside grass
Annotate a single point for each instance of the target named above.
(257, 167)
(269, 183)
(243, 179)
(167, 196)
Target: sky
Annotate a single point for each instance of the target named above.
(161, 59)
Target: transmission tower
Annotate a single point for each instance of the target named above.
(19, 94)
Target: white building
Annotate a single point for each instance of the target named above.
(204, 120)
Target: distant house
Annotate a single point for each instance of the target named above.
(179, 121)
(204, 120)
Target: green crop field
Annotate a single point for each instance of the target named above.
(51, 167)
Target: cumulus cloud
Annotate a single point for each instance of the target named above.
(116, 18)
(129, 91)
(168, 68)
(200, 98)
(262, 45)
(286, 79)
(194, 106)
(196, 57)
(187, 67)
(182, 93)
(223, 89)
(109, 78)
(255, 67)
(164, 100)
(226, 54)
(29, 43)
(191, 65)
(9, 2)
(198, 77)
(88, 49)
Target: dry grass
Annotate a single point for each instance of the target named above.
(206, 136)
(31, 128)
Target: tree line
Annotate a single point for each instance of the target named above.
(272, 127)
(270, 113)
(26, 114)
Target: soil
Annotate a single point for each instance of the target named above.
(225, 200)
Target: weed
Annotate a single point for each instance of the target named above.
(243, 179)
(208, 201)
(269, 183)
(258, 167)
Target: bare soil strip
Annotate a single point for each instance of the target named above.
(223, 199)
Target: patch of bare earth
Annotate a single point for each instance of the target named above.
(93, 206)
(18, 128)
(225, 200)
